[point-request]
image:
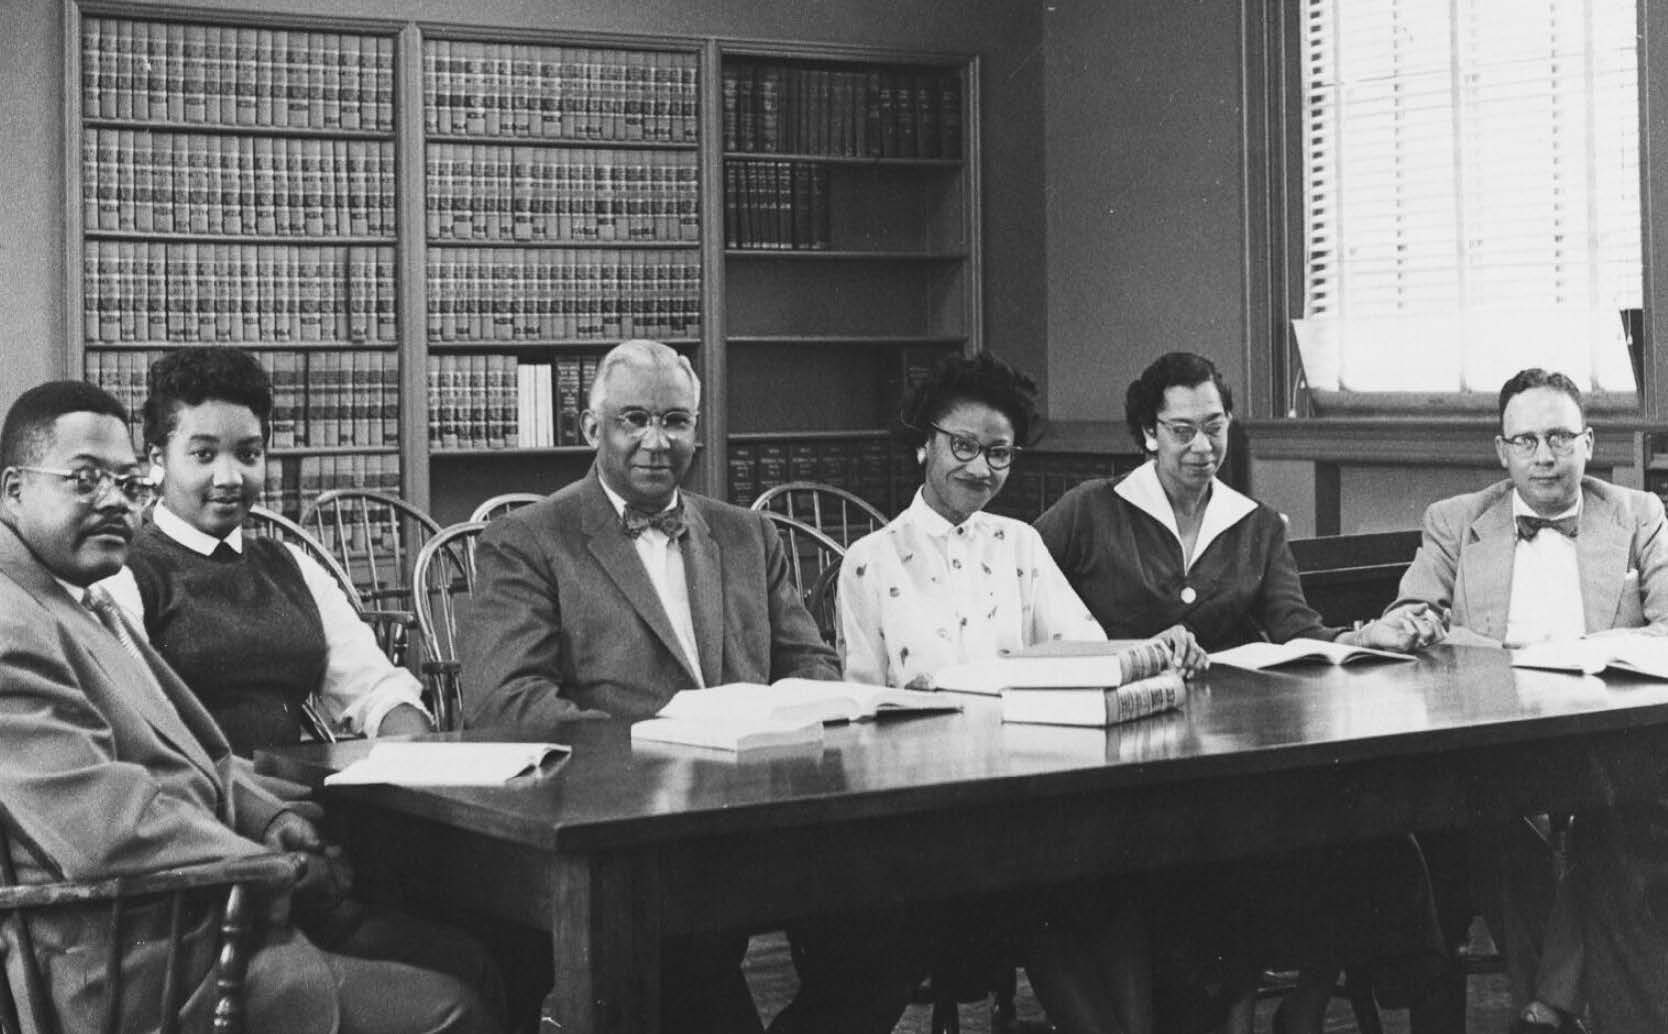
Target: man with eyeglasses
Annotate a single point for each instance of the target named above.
(109, 765)
(1550, 553)
(621, 589)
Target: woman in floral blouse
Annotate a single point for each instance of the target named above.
(946, 583)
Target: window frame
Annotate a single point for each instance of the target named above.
(1410, 426)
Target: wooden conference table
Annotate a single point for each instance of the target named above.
(620, 847)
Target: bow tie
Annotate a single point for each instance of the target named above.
(1528, 527)
(670, 523)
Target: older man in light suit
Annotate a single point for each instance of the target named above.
(1550, 554)
(109, 765)
(622, 589)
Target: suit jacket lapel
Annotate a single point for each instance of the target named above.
(1602, 552)
(1486, 569)
(703, 566)
(171, 714)
(618, 559)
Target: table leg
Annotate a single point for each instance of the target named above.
(606, 930)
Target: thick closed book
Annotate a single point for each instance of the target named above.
(1095, 707)
(448, 763)
(1258, 656)
(795, 700)
(1106, 667)
(1635, 654)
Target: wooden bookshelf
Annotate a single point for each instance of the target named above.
(562, 215)
(236, 180)
(851, 258)
(413, 224)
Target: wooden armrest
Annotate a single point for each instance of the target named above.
(272, 871)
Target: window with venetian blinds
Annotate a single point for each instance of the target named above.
(1471, 193)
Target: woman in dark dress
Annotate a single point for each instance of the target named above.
(254, 628)
(1169, 550)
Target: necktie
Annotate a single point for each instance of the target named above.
(224, 554)
(109, 615)
(1528, 527)
(635, 522)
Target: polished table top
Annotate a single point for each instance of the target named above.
(622, 847)
(1236, 725)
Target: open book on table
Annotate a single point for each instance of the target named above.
(748, 715)
(1637, 654)
(1096, 666)
(1258, 656)
(448, 763)
(1095, 706)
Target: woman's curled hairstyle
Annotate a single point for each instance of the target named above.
(955, 379)
(1170, 370)
(193, 375)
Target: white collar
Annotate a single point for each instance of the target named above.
(619, 502)
(1226, 507)
(1523, 509)
(921, 514)
(178, 529)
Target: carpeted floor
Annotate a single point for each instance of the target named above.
(770, 974)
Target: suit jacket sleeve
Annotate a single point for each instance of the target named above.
(796, 647)
(512, 641)
(1651, 550)
(1281, 608)
(1430, 578)
(83, 810)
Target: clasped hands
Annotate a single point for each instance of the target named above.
(326, 878)
(1406, 629)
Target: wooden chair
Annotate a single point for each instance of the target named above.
(376, 538)
(499, 505)
(444, 578)
(835, 512)
(822, 600)
(29, 1006)
(810, 552)
(1350, 578)
(271, 524)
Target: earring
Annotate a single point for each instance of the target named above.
(921, 456)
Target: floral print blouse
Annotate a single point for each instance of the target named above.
(921, 594)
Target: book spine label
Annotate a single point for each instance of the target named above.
(1139, 699)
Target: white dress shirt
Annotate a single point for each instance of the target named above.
(1546, 584)
(360, 684)
(663, 560)
(921, 594)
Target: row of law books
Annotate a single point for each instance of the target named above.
(775, 205)
(149, 291)
(1038, 479)
(497, 402)
(512, 294)
(235, 76)
(496, 193)
(292, 482)
(145, 182)
(877, 112)
(870, 468)
(319, 399)
(559, 93)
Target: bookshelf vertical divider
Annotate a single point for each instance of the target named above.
(715, 362)
(413, 257)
